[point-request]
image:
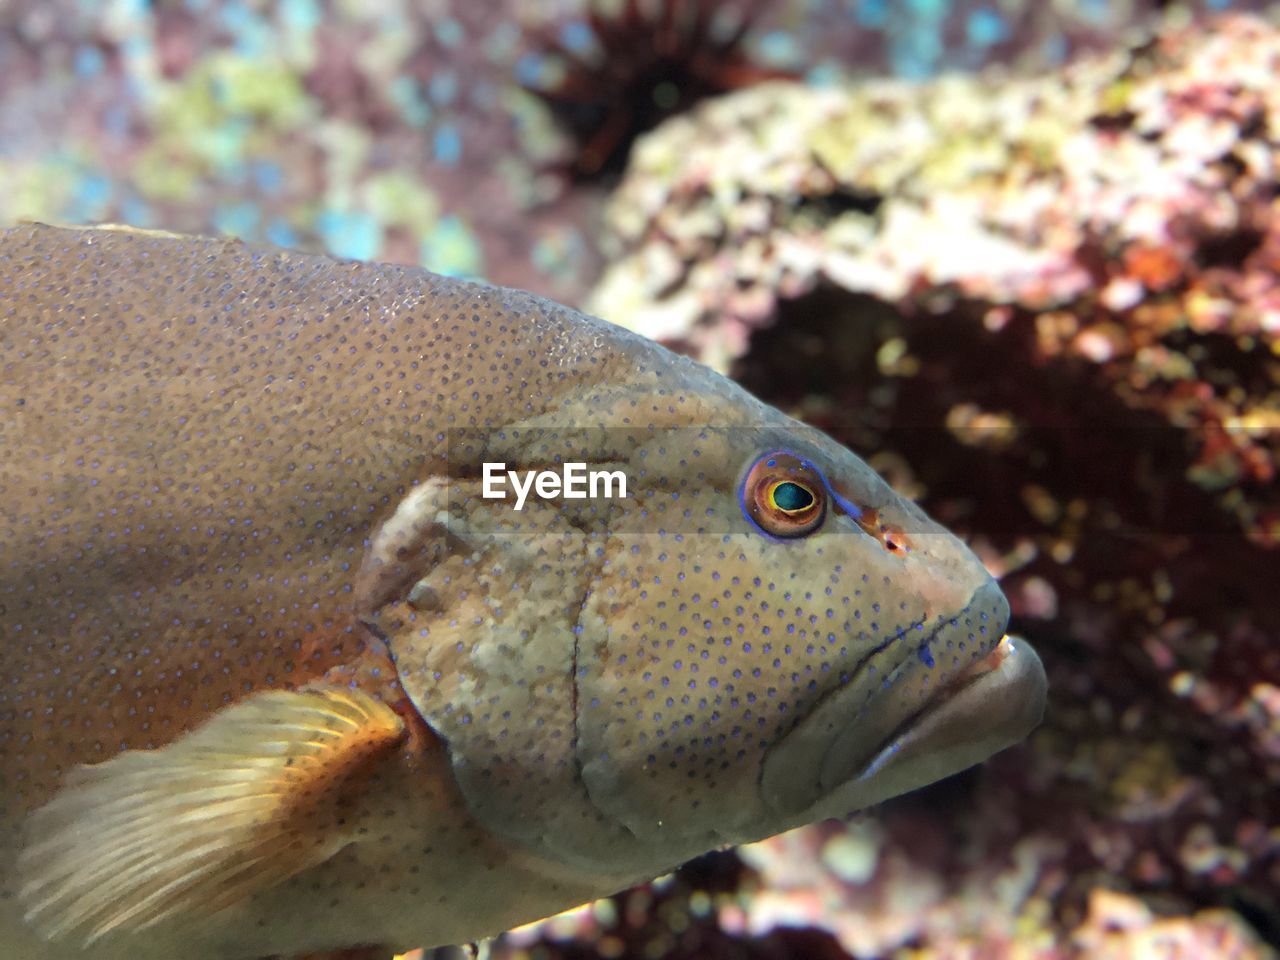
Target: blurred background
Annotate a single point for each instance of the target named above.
(1022, 256)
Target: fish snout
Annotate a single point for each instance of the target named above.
(914, 711)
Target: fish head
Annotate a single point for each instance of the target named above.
(760, 634)
(788, 639)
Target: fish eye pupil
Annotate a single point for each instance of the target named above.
(790, 497)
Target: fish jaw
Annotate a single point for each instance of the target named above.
(992, 705)
(924, 721)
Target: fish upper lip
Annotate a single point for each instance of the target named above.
(975, 670)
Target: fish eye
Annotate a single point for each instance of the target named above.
(790, 497)
(784, 496)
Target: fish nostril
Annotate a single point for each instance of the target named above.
(888, 535)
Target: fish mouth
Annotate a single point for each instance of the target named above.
(991, 704)
(910, 715)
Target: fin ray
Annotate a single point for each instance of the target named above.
(220, 814)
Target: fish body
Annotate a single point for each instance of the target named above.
(279, 678)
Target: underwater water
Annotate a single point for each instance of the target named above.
(1022, 257)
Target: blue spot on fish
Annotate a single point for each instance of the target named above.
(925, 655)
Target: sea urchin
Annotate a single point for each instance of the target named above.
(646, 63)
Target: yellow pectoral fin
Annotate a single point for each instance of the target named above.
(231, 809)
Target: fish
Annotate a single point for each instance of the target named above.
(278, 679)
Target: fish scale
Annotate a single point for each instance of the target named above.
(279, 678)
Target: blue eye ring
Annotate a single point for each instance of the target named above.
(803, 492)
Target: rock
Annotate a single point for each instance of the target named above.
(1049, 308)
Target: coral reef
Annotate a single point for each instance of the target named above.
(1119, 927)
(399, 130)
(904, 885)
(1049, 309)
